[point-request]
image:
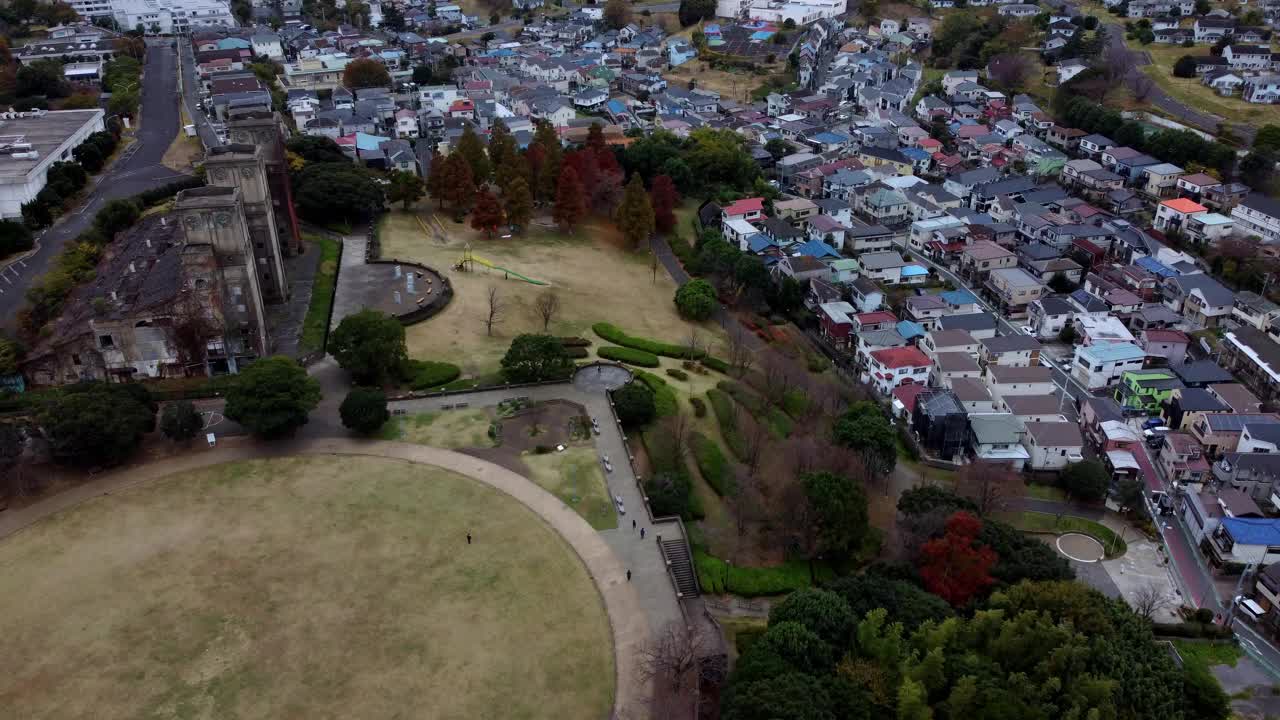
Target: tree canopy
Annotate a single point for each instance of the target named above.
(364, 410)
(370, 346)
(329, 192)
(533, 358)
(95, 424)
(180, 421)
(365, 73)
(272, 397)
(863, 427)
(696, 300)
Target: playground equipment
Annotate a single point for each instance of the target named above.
(466, 264)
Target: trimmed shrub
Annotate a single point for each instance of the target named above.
(629, 356)
(722, 404)
(576, 352)
(615, 335)
(634, 403)
(664, 398)
(711, 463)
(716, 577)
(574, 342)
(677, 374)
(696, 300)
(426, 374)
(699, 407)
(716, 364)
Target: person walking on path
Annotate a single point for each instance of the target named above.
(468, 538)
(628, 576)
(641, 533)
(633, 523)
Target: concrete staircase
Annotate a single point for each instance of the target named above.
(680, 564)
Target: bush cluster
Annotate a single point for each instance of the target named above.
(664, 398)
(711, 463)
(722, 404)
(426, 374)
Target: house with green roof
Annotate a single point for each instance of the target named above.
(1146, 389)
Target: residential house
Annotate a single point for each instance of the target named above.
(1013, 290)
(835, 321)
(949, 341)
(1254, 58)
(948, 366)
(1255, 359)
(1203, 301)
(1220, 432)
(1171, 345)
(1145, 390)
(939, 421)
(896, 366)
(1052, 445)
(885, 267)
(978, 260)
(997, 438)
(1185, 405)
(1005, 380)
(978, 324)
(1010, 350)
(1047, 316)
(866, 294)
(1254, 310)
(1258, 215)
(1182, 459)
(1097, 366)
(1261, 89)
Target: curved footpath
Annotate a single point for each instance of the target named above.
(627, 620)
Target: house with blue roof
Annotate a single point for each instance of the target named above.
(1155, 267)
(829, 141)
(910, 330)
(680, 52)
(1098, 366)
(1247, 541)
(759, 243)
(816, 249)
(961, 301)
(234, 43)
(913, 274)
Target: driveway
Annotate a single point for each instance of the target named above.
(137, 169)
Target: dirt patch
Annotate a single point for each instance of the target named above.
(548, 424)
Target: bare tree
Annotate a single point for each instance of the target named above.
(693, 343)
(496, 311)
(673, 434)
(670, 660)
(190, 329)
(1149, 600)
(1142, 86)
(741, 356)
(1010, 70)
(755, 433)
(988, 485)
(546, 306)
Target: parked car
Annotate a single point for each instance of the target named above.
(622, 510)
(1154, 422)
(595, 426)
(608, 466)
(1250, 608)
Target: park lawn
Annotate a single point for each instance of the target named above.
(575, 476)
(1044, 492)
(1190, 91)
(468, 428)
(1038, 522)
(315, 325)
(291, 587)
(595, 278)
(1204, 655)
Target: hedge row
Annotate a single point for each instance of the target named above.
(716, 364)
(1209, 630)
(427, 374)
(574, 342)
(629, 356)
(779, 424)
(722, 404)
(711, 463)
(615, 335)
(576, 352)
(664, 398)
(718, 577)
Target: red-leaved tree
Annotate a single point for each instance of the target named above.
(952, 566)
(570, 205)
(487, 216)
(664, 197)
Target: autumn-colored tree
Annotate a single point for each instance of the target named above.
(459, 186)
(436, 177)
(518, 202)
(952, 566)
(617, 14)
(546, 137)
(487, 216)
(365, 73)
(635, 214)
(571, 205)
(595, 139)
(515, 166)
(664, 198)
(471, 148)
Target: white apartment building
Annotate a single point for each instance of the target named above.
(1258, 215)
(89, 9)
(168, 17)
(802, 12)
(30, 143)
(1097, 366)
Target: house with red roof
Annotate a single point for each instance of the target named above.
(1172, 215)
(878, 320)
(904, 398)
(749, 209)
(892, 367)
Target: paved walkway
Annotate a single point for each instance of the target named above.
(347, 298)
(625, 602)
(642, 557)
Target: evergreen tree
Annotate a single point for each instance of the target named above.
(550, 155)
(635, 214)
(664, 198)
(515, 166)
(518, 203)
(406, 188)
(595, 139)
(571, 206)
(471, 148)
(487, 216)
(502, 146)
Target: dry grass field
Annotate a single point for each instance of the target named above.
(300, 588)
(596, 279)
(452, 429)
(575, 476)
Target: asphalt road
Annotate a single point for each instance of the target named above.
(1162, 100)
(190, 86)
(138, 169)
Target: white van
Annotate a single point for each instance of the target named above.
(1250, 608)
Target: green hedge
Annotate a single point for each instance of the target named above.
(629, 356)
(664, 398)
(779, 423)
(722, 404)
(427, 374)
(716, 364)
(315, 326)
(574, 342)
(711, 463)
(718, 577)
(615, 335)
